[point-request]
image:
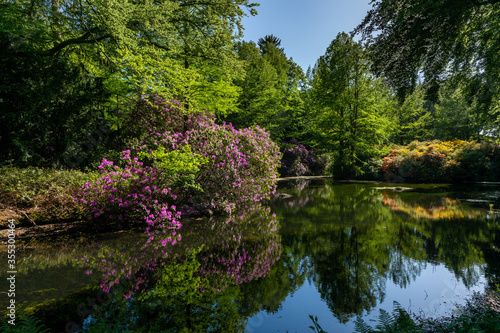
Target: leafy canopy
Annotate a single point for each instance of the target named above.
(435, 38)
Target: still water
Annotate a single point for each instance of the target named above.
(328, 249)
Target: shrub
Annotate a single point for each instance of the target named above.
(186, 159)
(241, 164)
(297, 160)
(41, 194)
(134, 195)
(371, 170)
(438, 161)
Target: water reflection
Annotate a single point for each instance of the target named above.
(194, 283)
(357, 238)
(354, 245)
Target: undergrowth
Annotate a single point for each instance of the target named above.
(28, 323)
(41, 195)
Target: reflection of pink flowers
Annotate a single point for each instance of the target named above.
(249, 255)
(235, 251)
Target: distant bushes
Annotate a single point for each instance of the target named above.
(297, 161)
(437, 161)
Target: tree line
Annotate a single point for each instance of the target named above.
(68, 69)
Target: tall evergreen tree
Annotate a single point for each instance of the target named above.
(270, 95)
(351, 107)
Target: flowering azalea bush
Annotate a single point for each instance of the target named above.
(448, 161)
(186, 161)
(133, 195)
(297, 160)
(241, 165)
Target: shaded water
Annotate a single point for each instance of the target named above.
(332, 250)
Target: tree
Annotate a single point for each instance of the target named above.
(455, 119)
(52, 112)
(436, 39)
(269, 42)
(270, 95)
(413, 119)
(260, 90)
(350, 105)
(190, 28)
(67, 57)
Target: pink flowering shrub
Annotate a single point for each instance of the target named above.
(297, 160)
(238, 166)
(241, 164)
(133, 195)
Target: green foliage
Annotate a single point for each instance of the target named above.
(270, 94)
(204, 85)
(26, 323)
(456, 117)
(351, 110)
(479, 322)
(439, 39)
(316, 328)
(414, 120)
(398, 321)
(44, 194)
(52, 112)
(177, 161)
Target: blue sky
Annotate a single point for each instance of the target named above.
(305, 27)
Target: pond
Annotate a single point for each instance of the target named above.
(335, 250)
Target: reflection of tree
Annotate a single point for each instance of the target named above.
(335, 234)
(267, 294)
(348, 282)
(197, 284)
(458, 240)
(352, 239)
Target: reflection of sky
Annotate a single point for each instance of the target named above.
(294, 314)
(436, 292)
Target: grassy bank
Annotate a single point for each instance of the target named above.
(35, 196)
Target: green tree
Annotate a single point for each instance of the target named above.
(413, 119)
(455, 119)
(351, 107)
(270, 95)
(260, 95)
(289, 75)
(436, 38)
(61, 60)
(52, 112)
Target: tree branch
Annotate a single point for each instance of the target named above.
(86, 38)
